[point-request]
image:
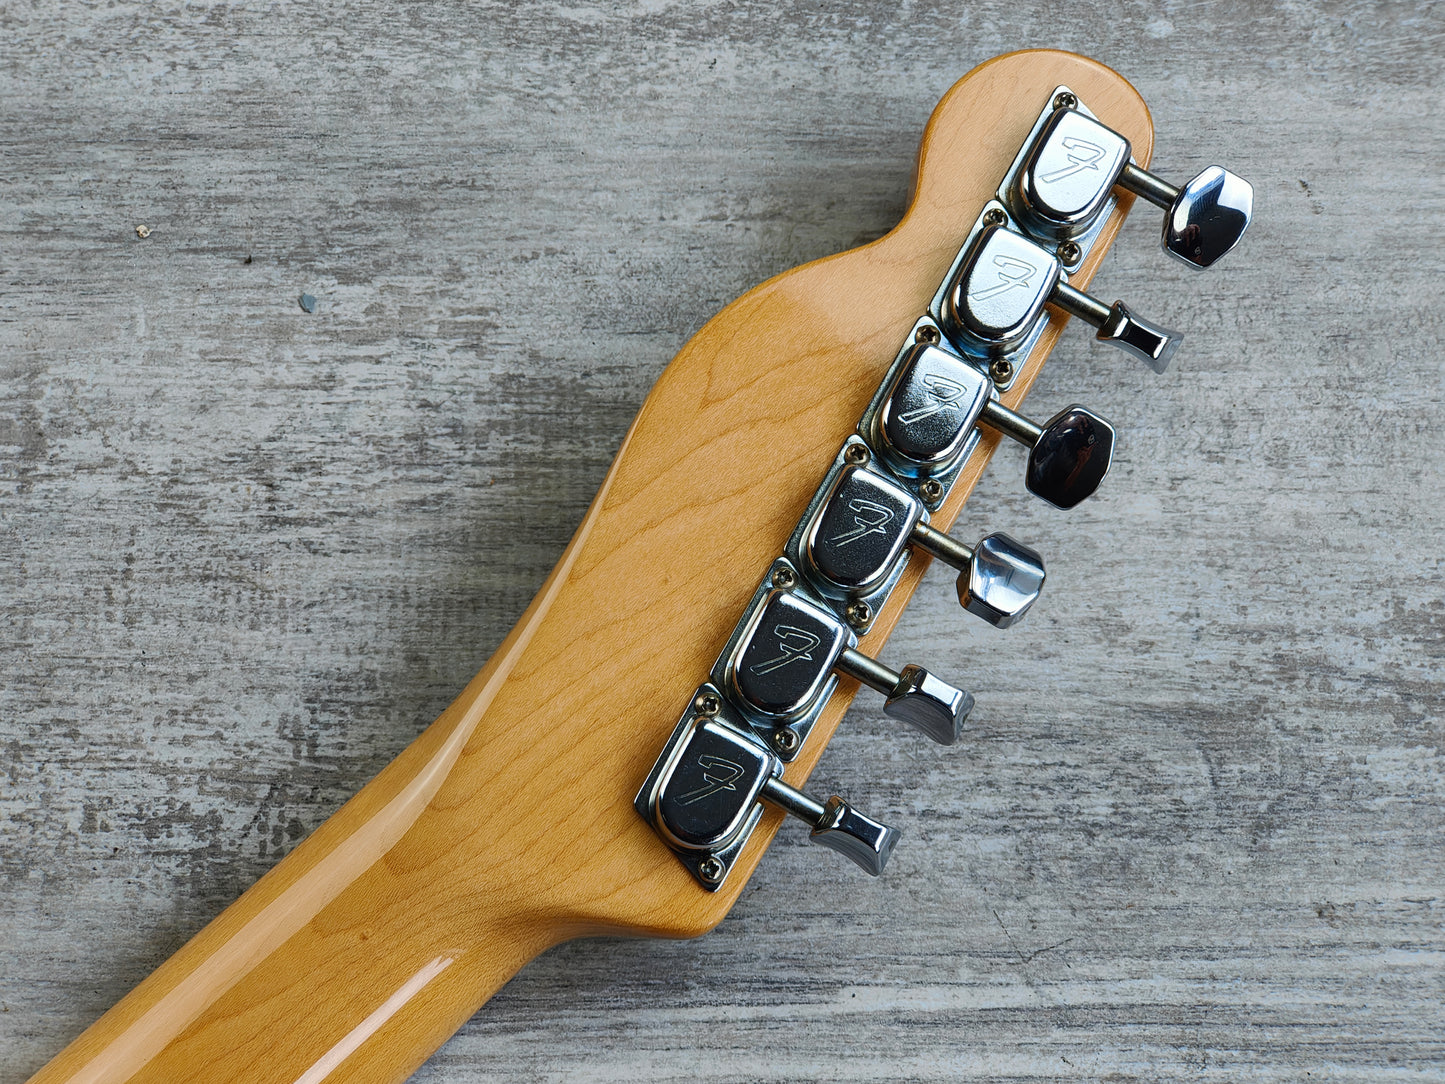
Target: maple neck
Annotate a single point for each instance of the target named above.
(508, 826)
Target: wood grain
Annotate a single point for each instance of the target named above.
(1199, 826)
(508, 825)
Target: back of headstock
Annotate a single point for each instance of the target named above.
(510, 824)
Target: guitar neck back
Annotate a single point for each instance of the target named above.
(509, 824)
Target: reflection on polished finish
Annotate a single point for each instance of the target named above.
(999, 579)
(932, 405)
(1207, 217)
(1071, 457)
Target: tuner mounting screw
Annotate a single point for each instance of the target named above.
(711, 869)
(856, 454)
(786, 740)
(1001, 370)
(931, 490)
(859, 614)
(926, 334)
(707, 704)
(784, 578)
(994, 217)
(1070, 253)
(1065, 100)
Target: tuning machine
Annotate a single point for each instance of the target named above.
(783, 661)
(923, 423)
(855, 539)
(1073, 163)
(704, 796)
(993, 302)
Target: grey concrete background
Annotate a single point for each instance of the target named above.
(247, 553)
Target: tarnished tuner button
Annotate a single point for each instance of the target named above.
(930, 411)
(1001, 287)
(787, 656)
(1068, 174)
(711, 786)
(862, 529)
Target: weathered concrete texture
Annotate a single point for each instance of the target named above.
(249, 552)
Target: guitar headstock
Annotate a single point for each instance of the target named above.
(774, 505)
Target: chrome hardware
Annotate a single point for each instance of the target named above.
(1073, 164)
(1068, 175)
(1203, 220)
(995, 300)
(998, 579)
(854, 539)
(781, 664)
(837, 826)
(927, 414)
(1068, 455)
(703, 797)
(914, 696)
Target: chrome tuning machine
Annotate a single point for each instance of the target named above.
(704, 797)
(782, 665)
(854, 539)
(996, 297)
(1075, 162)
(937, 398)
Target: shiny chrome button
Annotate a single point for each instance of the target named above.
(999, 291)
(1069, 174)
(862, 530)
(785, 660)
(930, 411)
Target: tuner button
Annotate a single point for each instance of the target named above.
(915, 696)
(853, 835)
(1151, 344)
(999, 579)
(929, 705)
(837, 825)
(1071, 457)
(1068, 457)
(1002, 581)
(1208, 217)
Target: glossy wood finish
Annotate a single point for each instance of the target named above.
(508, 825)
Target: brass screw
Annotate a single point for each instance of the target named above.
(711, 869)
(1065, 100)
(786, 740)
(859, 614)
(931, 490)
(926, 334)
(707, 704)
(1070, 253)
(784, 578)
(1001, 370)
(994, 217)
(856, 454)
